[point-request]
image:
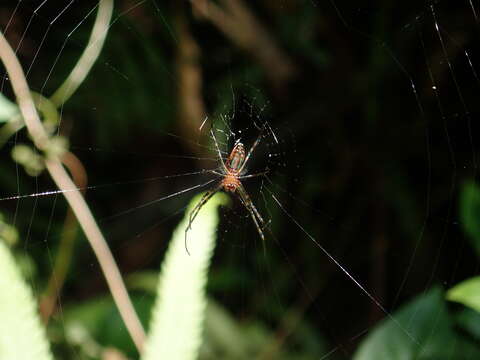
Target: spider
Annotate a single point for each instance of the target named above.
(232, 171)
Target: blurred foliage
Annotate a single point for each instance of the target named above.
(467, 293)
(29, 158)
(470, 213)
(8, 233)
(95, 325)
(377, 146)
(410, 335)
(7, 109)
(22, 336)
(469, 321)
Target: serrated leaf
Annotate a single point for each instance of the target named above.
(177, 320)
(22, 336)
(467, 293)
(470, 213)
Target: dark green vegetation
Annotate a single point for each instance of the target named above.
(376, 114)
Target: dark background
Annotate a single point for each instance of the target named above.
(377, 122)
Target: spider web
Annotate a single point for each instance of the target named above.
(362, 192)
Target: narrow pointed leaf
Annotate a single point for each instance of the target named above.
(177, 322)
(22, 336)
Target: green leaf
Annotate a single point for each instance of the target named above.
(225, 338)
(427, 321)
(177, 321)
(7, 109)
(22, 336)
(146, 281)
(466, 293)
(8, 233)
(97, 320)
(469, 321)
(470, 213)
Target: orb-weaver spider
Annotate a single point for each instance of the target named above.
(232, 171)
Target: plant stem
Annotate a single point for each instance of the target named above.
(72, 195)
(69, 233)
(89, 56)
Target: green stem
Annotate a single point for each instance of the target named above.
(89, 56)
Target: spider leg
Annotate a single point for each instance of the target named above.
(257, 218)
(193, 214)
(216, 173)
(257, 141)
(253, 175)
(218, 151)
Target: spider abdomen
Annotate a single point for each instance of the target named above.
(235, 160)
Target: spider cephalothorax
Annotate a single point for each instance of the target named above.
(231, 171)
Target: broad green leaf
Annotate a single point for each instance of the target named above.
(22, 336)
(7, 109)
(469, 320)
(470, 213)
(423, 330)
(466, 293)
(177, 321)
